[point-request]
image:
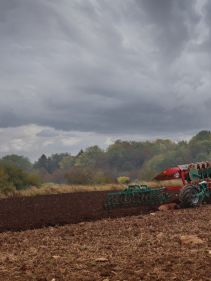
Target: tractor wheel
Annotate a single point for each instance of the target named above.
(189, 197)
(208, 198)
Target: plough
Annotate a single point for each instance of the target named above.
(136, 195)
(194, 190)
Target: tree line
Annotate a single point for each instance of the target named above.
(133, 159)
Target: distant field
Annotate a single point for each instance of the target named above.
(52, 188)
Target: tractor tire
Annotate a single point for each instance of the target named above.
(188, 197)
(207, 199)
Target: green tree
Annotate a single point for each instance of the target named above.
(19, 161)
(67, 162)
(42, 163)
(6, 186)
(12, 175)
(92, 157)
(54, 161)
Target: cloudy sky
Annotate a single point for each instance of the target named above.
(74, 73)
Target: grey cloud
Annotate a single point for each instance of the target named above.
(47, 133)
(173, 21)
(106, 67)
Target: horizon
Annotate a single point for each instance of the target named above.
(105, 147)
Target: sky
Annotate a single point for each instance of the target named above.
(84, 72)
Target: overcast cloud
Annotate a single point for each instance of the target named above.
(83, 72)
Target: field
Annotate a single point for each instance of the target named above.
(94, 244)
(171, 245)
(20, 213)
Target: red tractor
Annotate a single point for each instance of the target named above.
(196, 183)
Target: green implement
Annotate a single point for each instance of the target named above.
(194, 174)
(136, 195)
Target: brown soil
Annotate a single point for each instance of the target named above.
(49, 210)
(155, 246)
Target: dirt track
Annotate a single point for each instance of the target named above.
(48, 210)
(144, 247)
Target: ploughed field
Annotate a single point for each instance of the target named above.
(21, 213)
(169, 245)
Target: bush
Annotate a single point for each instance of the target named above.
(123, 180)
(33, 179)
(101, 177)
(14, 178)
(8, 189)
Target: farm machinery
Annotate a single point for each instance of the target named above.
(195, 188)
